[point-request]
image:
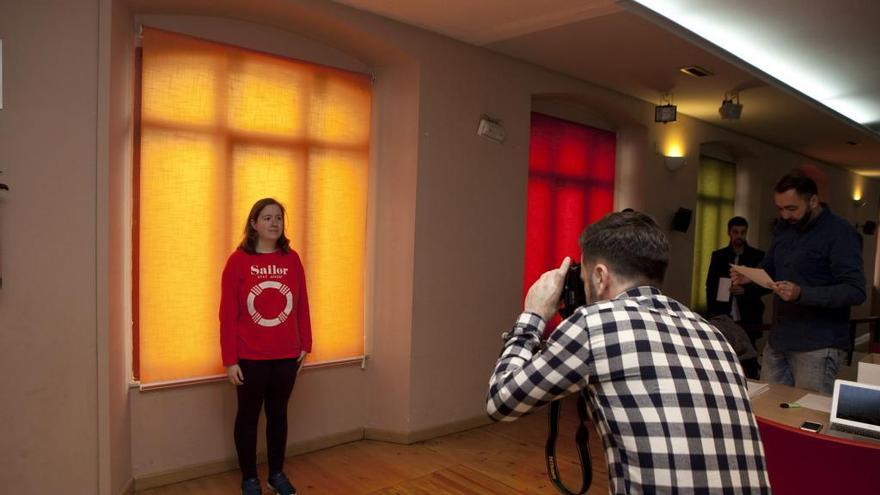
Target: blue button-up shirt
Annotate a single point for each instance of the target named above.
(825, 260)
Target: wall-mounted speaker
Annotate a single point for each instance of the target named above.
(681, 220)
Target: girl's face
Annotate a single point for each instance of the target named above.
(269, 223)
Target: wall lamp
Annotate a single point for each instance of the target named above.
(674, 163)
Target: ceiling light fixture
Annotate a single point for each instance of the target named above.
(731, 108)
(665, 112)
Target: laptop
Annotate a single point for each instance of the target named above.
(855, 411)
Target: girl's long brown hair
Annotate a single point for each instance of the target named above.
(249, 242)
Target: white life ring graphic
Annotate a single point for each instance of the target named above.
(256, 291)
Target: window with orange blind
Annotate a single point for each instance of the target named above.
(220, 127)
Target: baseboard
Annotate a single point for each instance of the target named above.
(321, 443)
(206, 469)
(183, 474)
(407, 438)
(129, 488)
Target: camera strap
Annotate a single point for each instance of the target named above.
(582, 438)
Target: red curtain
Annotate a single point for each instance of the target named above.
(571, 185)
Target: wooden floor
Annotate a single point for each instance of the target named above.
(502, 458)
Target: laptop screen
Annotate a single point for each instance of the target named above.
(860, 404)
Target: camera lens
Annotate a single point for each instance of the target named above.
(573, 295)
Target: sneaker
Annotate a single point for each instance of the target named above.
(281, 485)
(251, 486)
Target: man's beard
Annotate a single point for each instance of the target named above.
(802, 223)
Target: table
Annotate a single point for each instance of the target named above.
(799, 462)
(766, 405)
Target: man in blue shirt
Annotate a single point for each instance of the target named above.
(816, 260)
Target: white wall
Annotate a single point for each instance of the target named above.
(48, 319)
(115, 147)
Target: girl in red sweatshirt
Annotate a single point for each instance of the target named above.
(265, 334)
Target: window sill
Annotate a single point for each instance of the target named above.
(361, 360)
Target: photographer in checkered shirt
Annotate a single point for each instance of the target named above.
(665, 389)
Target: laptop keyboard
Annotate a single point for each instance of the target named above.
(856, 430)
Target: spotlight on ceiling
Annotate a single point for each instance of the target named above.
(666, 111)
(731, 108)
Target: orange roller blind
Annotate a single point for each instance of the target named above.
(221, 127)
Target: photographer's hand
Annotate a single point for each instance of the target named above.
(543, 296)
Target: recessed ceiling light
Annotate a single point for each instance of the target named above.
(696, 71)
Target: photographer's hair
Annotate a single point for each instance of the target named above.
(630, 243)
(804, 186)
(249, 242)
(737, 222)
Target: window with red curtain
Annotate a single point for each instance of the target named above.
(571, 185)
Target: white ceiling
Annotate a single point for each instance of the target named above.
(826, 49)
(808, 71)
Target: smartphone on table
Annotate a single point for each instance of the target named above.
(811, 426)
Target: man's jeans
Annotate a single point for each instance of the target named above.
(813, 370)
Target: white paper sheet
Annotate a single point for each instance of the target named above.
(816, 402)
(756, 275)
(723, 294)
(756, 388)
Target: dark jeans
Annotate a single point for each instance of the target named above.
(751, 367)
(754, 330)
(270, 382)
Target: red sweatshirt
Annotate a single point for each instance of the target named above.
(264, 308)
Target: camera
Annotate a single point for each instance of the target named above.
(573, 295)
(572, 298)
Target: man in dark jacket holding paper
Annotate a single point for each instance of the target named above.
(816, 260)
(742, 303)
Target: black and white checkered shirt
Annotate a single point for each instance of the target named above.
(666, 393)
